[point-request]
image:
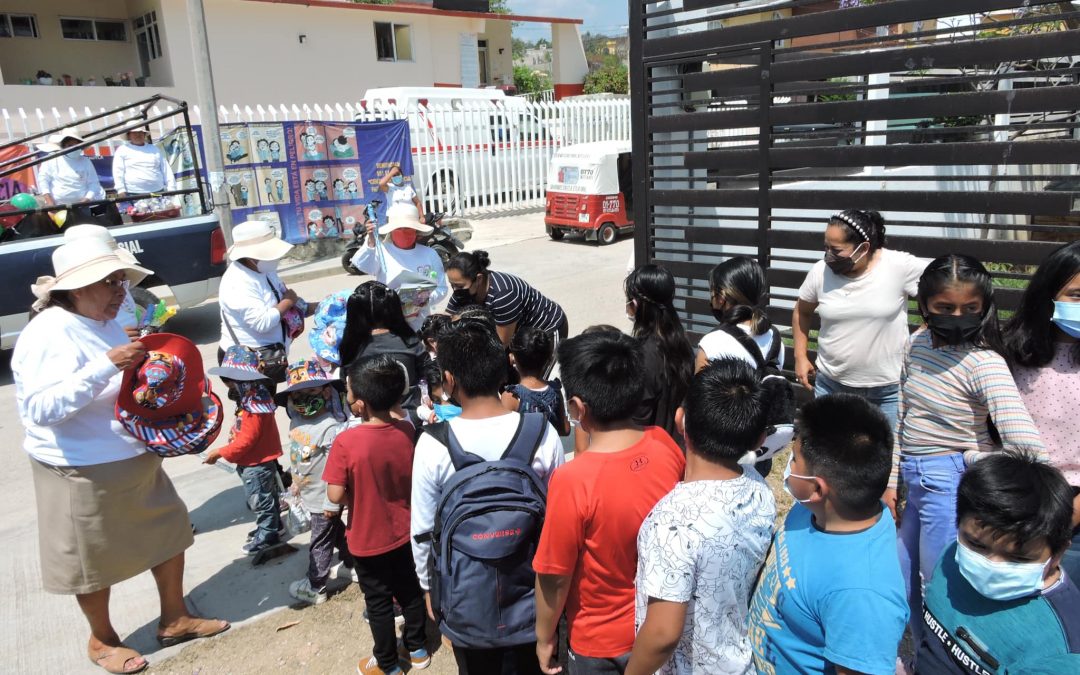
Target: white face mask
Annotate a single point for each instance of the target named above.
(267, 266)
(788, 474)
(999, 580)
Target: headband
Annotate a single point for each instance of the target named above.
(851, 221)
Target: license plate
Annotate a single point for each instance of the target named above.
(583, 218)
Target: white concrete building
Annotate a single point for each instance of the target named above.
(263, 51)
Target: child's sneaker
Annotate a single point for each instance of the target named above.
(343, 571)
(302, 591)
(258, 545)
(371, 667)
(418, 659)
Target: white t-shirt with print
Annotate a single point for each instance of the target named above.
(399, 195)
(864, 324)
(405, 265)
(703, 544)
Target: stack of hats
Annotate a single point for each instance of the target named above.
(166, 401)
(328, 327)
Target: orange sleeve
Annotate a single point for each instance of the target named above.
(563, 536)
(247, 436)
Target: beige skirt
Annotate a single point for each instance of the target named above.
(99, 525)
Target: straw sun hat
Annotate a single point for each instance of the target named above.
(401, 216)
(82, 262)
(54, 141)
(257, 239)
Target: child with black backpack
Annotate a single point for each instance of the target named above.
(473, 556)
(587, 556)
(531, 351)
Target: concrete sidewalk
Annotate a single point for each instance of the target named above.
(41, 633)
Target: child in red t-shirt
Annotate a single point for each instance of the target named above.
(587, 557)
(370, 471)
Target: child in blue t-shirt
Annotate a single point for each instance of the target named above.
(531, 352)
(831, 597)
(999, 602)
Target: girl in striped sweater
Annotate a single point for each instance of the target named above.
(955, 380)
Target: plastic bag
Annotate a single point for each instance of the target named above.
(297, 518)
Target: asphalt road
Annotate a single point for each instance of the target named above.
(47, 633)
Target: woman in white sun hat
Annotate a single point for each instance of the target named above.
(126, 317)
(257, 309)
(106, 510)
(413, 270)
(72, 179)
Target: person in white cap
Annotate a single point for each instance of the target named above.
(106, 511)
(126, 317)
(253, 299)
(140, 167)
(413, 270)
(72, 179)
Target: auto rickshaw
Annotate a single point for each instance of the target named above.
(589, 191)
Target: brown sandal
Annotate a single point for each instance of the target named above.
(115, 660)
(171, 640)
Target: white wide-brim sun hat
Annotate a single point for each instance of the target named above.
(401, 216)
(78, 264)
(53, 143)
(257, 240)
(98, 233)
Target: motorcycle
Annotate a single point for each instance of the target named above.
(441, 239)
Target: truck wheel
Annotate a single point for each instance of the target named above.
(607, 234)
(556, 234)
(144, 298)
(346, 263)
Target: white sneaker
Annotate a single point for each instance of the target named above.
(342, 571)
(302, 591)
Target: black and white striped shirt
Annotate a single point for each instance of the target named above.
(511, 300)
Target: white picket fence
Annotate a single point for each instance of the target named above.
(468, 159)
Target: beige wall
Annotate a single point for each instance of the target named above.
(500, 66)
(22, 57)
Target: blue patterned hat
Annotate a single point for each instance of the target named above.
(240, 363)
(328, 325)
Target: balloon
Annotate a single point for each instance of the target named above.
(59, 217)
(24, 200)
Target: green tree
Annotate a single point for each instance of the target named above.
(611, 78)
(500, 6)
(528, 82)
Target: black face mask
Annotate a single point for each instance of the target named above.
(840, 264)
(462, 297)
(954, 330)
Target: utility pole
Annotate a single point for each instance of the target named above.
(204, 86)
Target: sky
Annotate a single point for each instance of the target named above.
(608, 17)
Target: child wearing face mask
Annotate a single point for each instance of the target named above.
(317, 415)
(398, 192)
(999, 600)
(531, 353)
(954, 380)
(438, 406)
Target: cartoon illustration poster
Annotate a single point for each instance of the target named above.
(240, 184)
(234, 144)
(267, 143)
(273, 185)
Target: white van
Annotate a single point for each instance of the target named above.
(470, 147)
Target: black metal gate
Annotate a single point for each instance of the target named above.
(756, 120)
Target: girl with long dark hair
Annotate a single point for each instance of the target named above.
(955, 377)
(669, 358)
(375, 324)
(1042, 343)
(737, 289)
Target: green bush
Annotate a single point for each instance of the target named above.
(528, 81)
(611, 78)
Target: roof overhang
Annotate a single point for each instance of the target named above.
(422, 9)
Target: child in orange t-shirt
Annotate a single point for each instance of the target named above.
(587, 556)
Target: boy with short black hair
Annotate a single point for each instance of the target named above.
(831, 597)
(999, 600)
(474, 370)
(587, 556)
(701, 547)
(370, 469)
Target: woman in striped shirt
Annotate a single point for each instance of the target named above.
(513, 303)
(954, 379)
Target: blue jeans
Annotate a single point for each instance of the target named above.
(928, 524)
(261, 487)
(886, 397)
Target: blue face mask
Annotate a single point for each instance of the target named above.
(999, 580)
(1067, 317)
(446, 411)
(398, 180)
(788, 474)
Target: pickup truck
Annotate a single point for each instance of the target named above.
(187, 253)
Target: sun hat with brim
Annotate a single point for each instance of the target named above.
(240, 363)
(403, 216)
(166, 401)
(54, 141)
(99, 233)
(306, 374)
(328, 326)
(256, 239)
(80, 263)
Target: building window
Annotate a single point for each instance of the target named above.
(101, 30)
(18, 25)
(148, 36)
(393, 42)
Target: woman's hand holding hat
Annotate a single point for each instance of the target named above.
(126, 356)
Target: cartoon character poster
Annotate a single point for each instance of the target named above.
(273, 185)
(310, 142)
(234, 144)
(240, 184)
(340, 141)
(267, 143)
(315, 183)
(345, 183)
(179, 152)
(323, 223)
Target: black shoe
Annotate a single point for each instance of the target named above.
(258, 545)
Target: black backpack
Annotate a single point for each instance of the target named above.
(487, 527)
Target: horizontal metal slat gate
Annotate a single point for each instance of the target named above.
(756, 120)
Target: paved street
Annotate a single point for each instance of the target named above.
(45, 633)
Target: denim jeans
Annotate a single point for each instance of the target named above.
(886, 397)
(928, 524)
(261, 487)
